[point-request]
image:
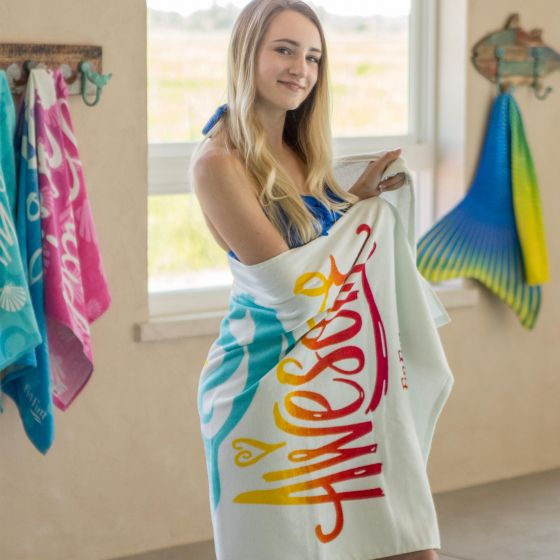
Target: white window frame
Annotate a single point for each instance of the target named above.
(168, 162)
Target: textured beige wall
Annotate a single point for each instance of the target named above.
(501, 419)
(126, 472)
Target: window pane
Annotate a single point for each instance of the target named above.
(181, 252)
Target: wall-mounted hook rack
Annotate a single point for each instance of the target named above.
(80, 65)
(512, 57)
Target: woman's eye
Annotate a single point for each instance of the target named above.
(286, 49)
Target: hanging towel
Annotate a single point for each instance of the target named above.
(28, 381)
(319, 398)
(527, 202)
(7, 133)
(19, 333)
(495, 234)
(76, 290)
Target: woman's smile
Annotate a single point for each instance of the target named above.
(292, 86)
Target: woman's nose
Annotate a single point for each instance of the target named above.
(298, 67)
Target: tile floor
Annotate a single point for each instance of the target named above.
(515, 519)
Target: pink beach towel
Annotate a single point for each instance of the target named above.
(76, 290)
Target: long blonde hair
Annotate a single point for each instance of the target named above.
(307, 129)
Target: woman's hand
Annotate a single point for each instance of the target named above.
(369, 184)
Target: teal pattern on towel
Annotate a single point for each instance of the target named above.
(27, 381)
(20, 331)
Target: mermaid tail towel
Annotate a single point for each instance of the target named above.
(319, 399)
(496, 233)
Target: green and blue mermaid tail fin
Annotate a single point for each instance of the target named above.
(495, 234)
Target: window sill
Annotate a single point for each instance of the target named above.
(453, 294)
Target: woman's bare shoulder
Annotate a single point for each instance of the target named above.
(214, 161)
(227, 194)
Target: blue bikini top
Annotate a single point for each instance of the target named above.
(325, 216)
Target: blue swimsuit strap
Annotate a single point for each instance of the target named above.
(325, 216)
(214, 118)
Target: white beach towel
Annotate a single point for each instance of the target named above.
(319, 399)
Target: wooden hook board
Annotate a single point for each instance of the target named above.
(65, 57)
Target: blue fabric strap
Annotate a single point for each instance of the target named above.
(214, 118)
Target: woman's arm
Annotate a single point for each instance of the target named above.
(226, 195)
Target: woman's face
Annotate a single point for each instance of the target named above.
(290, 52)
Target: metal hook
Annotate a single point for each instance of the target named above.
(98, 80)
(536, 85)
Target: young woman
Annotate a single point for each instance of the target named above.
(270, 152)
(263, 176)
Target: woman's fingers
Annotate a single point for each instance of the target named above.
(397, 180)
(377, 167)
(389, 157)
(369, 183)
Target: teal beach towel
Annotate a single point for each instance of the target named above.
(27, 379)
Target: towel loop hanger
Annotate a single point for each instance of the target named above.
(98, 80)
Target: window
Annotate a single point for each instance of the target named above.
(382, 73)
